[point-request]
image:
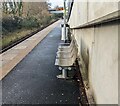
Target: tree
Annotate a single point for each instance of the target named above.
(12, 7)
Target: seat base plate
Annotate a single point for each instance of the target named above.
(63, 77)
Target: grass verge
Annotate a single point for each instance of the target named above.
(14, 36)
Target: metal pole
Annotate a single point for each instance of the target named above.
(64, 74)
(65, 20)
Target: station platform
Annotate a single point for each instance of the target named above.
(31, 77)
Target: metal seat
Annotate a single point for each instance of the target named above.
(66, 56)
(65, 62)
(66, 46)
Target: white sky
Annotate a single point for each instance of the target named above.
(56, 2)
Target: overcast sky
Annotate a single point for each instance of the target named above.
(56, 2)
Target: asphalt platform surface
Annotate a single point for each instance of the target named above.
(33, 80)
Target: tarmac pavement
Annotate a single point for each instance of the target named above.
(34, 81)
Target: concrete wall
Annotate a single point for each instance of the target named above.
(78, 16)
(100, 9)
(103, 73)
(88, 11)
(98, 49)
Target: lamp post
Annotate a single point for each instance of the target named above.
(65, 36)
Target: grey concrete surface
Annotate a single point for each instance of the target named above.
(33, 80)
(98, 53)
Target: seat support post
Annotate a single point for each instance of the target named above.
(64, 74)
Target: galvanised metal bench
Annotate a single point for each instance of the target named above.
(66, 57)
